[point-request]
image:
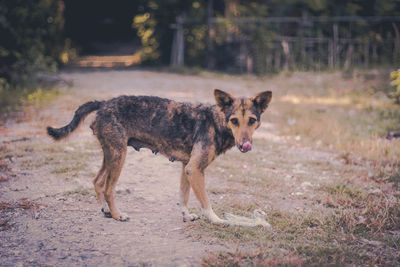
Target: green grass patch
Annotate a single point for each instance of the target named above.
(15, 99)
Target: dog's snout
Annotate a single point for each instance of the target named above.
(245, 146)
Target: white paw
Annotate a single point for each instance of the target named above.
(123, 217)
(209, 214)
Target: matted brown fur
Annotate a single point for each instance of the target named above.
(192, 134)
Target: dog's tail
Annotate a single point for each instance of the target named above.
(80, 115)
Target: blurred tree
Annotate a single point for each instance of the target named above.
(153, 25)
(31, 37)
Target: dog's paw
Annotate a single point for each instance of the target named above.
(123, 217)
(106, 213)
(190, 217)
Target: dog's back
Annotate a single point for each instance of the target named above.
(160, 124)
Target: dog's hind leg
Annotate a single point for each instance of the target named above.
(184, 197)
(113, 140)
(114, 160)
(99, 182)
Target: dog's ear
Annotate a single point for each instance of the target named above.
(261, 101)
(224, 100)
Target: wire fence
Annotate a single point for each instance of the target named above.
(261, 45)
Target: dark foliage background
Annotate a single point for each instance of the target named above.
(31, 39)
(39, 35)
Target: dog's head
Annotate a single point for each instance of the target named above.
(242, 115)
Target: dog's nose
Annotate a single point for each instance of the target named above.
(245, 147)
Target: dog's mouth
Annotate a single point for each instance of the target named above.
(245, 146)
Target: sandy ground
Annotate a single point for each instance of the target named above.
(67, 228)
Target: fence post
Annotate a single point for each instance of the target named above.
(349, 55)
(210, 62)
(277, 57)
(286, 52)
(331, 54)
(366, 53)
(336, 61)
(178, 43)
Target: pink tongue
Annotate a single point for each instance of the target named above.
(247, 146)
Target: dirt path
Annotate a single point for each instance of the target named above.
(49, 214)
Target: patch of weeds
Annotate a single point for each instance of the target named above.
(327, 254)
(5, 152)
(386, 172)
(225, 233)
(395, 179)
(23, 139)
(345, 190)
(48, 160)
(254, 258)
(9, 208)
(393, 240)
(78, 166)
(4, 166)
(5, 170)
(22, 204)
(5, 224)
(78, 191)
(218, 191)
(61, 170)
(28, 164)
(358, 212)
(12, 99)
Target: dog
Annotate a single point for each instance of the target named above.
(192, 134)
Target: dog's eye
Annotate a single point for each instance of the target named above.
(235, 121)
(252, 121)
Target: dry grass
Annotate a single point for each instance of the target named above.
(254, 258)
(345, 115)
(5, 169)
(350, 217)
(359, 212)
(7, 208)
(22, 204)
(5, 224)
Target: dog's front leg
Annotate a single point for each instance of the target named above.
(195, 175)
(184, 197)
